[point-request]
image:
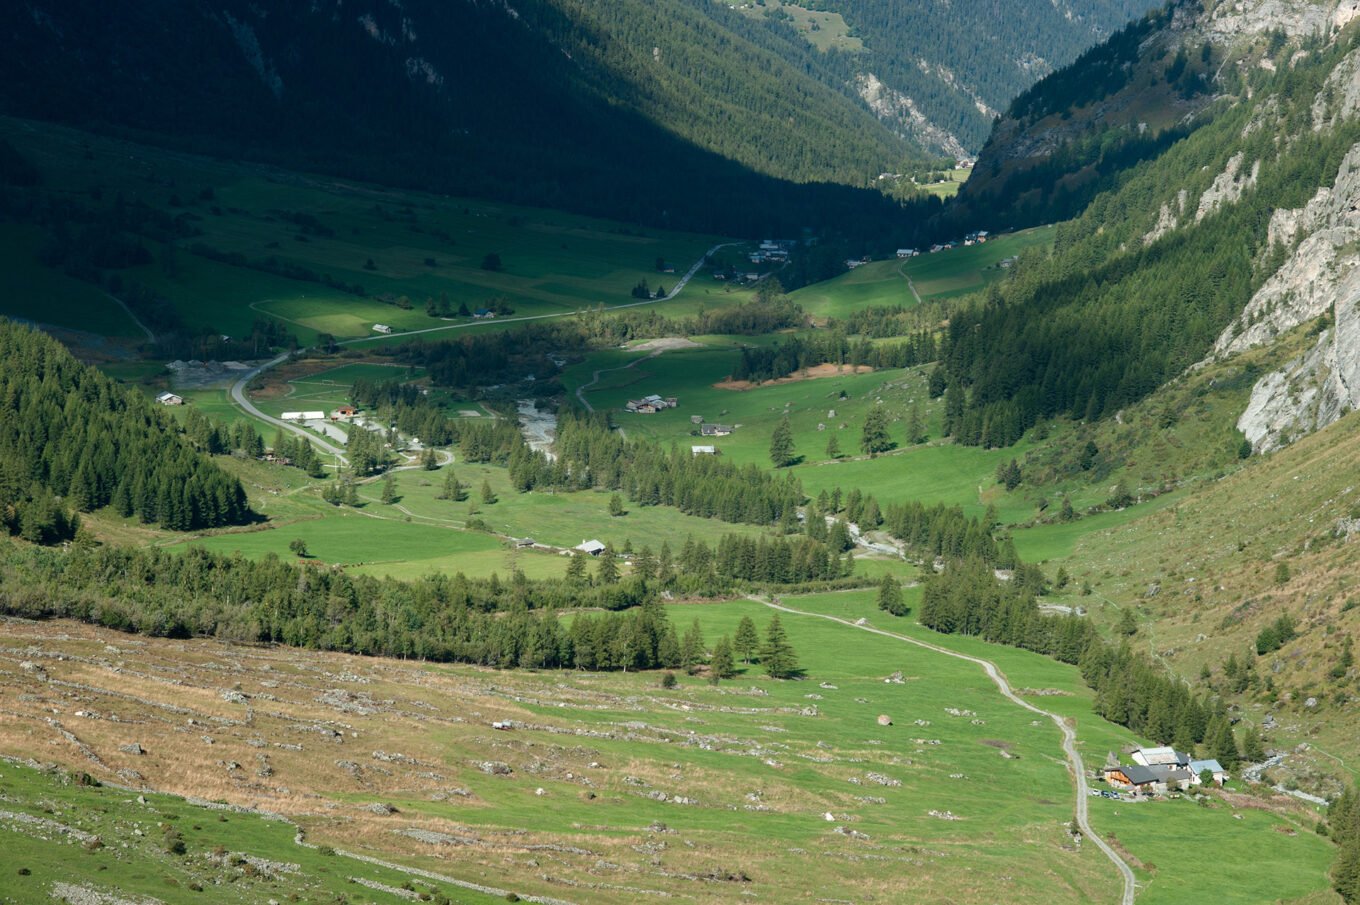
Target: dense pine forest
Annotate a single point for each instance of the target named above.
(72, 440)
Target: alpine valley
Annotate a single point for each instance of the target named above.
(568, 452)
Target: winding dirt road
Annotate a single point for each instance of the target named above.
(999, 679)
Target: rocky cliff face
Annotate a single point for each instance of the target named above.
(1320, 278)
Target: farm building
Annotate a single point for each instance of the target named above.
(907, 252)
(591, 547)
(650, 405)
(483, 314)
(1131, 776)
(715, 430)
(381, 328)
(170, 399)
(703, 450)
(1160, 757)
(1197, 767)
(344, 411)
(303, 416)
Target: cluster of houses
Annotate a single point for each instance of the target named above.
(1156, 771)
(772, 251)
(650, 405)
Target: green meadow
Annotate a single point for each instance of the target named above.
(403, 248)
(1270, 856)
(130, 861)
(943, 274)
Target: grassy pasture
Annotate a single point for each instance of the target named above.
(944, 274)
(420, 246)
(1272, 855)
(37, 293)
(133, 860)
(760, 762)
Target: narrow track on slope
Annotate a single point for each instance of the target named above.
(999, 679)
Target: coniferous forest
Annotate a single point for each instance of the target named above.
(72, 440)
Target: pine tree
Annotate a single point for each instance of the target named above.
(781, 444)
(746, 640)
(1253, 748)
(777, 655)
(833, 448)
(607, 568)
(722, 665)
(874, 439)
(1128, 623)
(576, 568)
(1223, 745)
(389, 490)
(692, 648)
(916, 431)
(890, 597)
(488, 495)
(428, 460)
(616, 505)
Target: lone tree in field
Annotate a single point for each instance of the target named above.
(389, 490)
(875, 439)
(298, 547)
(890, 597)
(833, 448)
(488, 495)
(428, 460)
(453, 488)
(746, 641)
(721, 665)
(777, 654)
(781, 444)
(616, 505)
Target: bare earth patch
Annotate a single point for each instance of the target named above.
(827, 370)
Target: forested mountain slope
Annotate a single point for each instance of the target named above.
(940, 72)
(73, 440)
(671, 112)
(1169, 253)
(683, 113)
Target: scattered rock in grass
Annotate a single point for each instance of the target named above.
(882, 780)
(133, 748)
(944, 815)
(494, 767)
(381, 808)
(894, 679)
(884, 720)
(233, 697)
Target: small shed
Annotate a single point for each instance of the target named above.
(703, 450)
(381, 328)
(1197, 767)
(170, 399)
(591, 547)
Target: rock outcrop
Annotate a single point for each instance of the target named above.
(1320, 278)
